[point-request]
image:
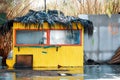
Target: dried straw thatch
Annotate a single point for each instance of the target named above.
(52, 17)
(5, 46)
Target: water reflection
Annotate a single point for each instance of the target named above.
(50, 78)
(102, 72)
(12, 76)
(7, 76)
(94, 72)
(43, 74)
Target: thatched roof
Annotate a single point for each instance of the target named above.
(52, 17)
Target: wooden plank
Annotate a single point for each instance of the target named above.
(116, 58)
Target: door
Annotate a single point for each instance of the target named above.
(24, 61)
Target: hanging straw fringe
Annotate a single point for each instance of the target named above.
(52, 17)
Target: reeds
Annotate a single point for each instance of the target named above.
(69, 7)
(74, 7)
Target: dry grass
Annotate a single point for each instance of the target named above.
(69, 7)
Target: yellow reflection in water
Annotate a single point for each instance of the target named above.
(52, 78)
(57, 78)
(63, 74)
(76, 70)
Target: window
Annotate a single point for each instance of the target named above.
(31, 37)
(47, 37)
(64, 37)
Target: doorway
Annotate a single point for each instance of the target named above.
(25, 61)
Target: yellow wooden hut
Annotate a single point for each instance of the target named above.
(54, 41)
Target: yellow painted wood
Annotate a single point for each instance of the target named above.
(70, 56)
(10, 63)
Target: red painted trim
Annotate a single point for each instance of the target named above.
(71, 44)
(48, 38)
(81, 38)
(15, 37)
(29, 44)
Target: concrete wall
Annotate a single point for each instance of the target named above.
(106, 37)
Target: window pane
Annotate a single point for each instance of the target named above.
(64, 37)
(30, 37)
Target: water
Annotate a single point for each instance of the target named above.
(99, 72)
(91, 72)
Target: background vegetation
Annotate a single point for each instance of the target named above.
(15, 8)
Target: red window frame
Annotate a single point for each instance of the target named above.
(48, 38)
(29, 44)
(68, 44)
